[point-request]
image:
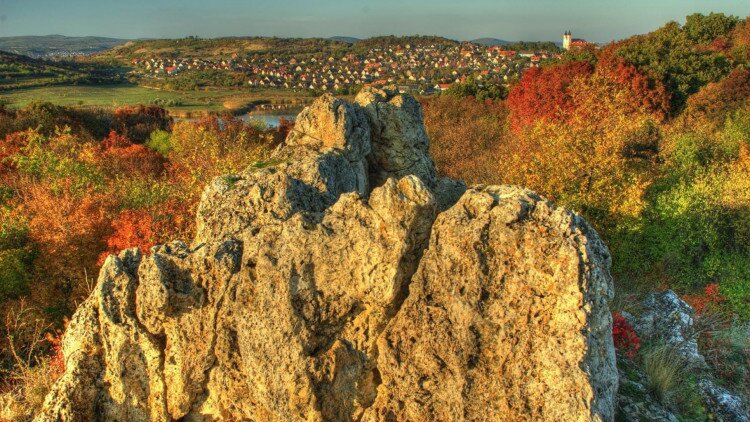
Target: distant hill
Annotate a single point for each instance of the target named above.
(349, 40)
(231, 47)
(50, 46)
(226, 47)
(490, 41)
(392, 40)
(19, 71)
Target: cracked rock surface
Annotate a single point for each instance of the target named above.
(344, 281)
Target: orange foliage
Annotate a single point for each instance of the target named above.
(10, 146)
(144, 228)
(715, 100)
(57, 359)
(125, 158)
(644, 92)
(67, 230)
(132, 229)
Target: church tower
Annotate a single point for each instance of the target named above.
(567, 37)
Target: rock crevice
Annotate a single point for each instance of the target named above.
(345, 281)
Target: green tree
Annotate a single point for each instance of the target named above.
(671, 56)
(703, 29)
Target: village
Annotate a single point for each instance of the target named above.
(419, 69)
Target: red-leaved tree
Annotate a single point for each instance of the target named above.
(543, 93)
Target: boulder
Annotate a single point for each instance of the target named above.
(344, 281)
(668, 319)
(494, 328)
(399, 140)
(725, 406)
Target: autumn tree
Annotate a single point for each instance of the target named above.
(137, 123)
(544, 93)
(643, 91)
(714, 102)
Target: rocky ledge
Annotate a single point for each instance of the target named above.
(343, 280)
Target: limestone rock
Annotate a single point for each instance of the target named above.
(399, 141)
(344, 281)
(635, 403)
(332, 123)
(493, 329)
(323, 157)
(724, 405)
(669, 319)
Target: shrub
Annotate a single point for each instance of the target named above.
(452, 121)
(710, 299)
(38, 363)
(159, 141)
(14, 274)
(137, 123)
(726, 348)
(126, 159)
(626, 340)
(131, 228)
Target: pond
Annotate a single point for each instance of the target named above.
(270, 120)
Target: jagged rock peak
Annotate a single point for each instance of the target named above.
(344, 281)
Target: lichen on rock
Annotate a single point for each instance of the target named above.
(345, 281)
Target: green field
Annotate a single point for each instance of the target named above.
(201, 101)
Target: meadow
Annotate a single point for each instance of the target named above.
(178, 103)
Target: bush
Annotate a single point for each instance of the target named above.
(14, 274)
(159, 141)
(472, 88)
(626, 340)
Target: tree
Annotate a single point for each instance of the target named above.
(582, 160)
(703, 29)
(717, 100)
(543, 93)
(670, 56)
(472, 88)
(644, 92)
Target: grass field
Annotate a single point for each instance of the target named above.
(197, 102)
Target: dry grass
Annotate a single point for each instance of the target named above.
(26, 385)
(664, 368)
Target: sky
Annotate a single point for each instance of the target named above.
(530, 20)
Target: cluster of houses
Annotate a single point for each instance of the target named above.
(421, 69)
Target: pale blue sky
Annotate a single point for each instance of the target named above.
(596, 20)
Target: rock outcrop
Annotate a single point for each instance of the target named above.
(669, 321)
(343, 280)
